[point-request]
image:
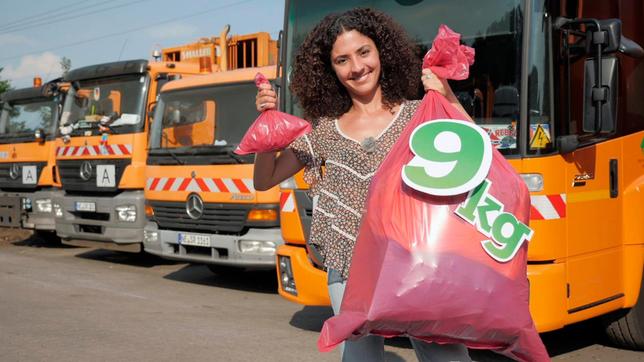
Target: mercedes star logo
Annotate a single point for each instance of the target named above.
(86, 170)
(194, 206)
(14, 171)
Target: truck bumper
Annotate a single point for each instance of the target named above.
(29, 210)
(10, 210)
(215, 248)
(299, 280)
(102, 224)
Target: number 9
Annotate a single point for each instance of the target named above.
(451, 157)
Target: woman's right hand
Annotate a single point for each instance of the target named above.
(266, 98)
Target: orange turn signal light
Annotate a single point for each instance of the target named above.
(149, 211)
(262, 215)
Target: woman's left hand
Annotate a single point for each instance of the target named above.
(432, 82)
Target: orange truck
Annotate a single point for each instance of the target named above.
(28, 122)
(201, 203)
(558, 86)
(102, 148)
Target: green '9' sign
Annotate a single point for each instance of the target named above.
(451, 157)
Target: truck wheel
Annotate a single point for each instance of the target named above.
(224, 269)
(47, 237)
(626, 329)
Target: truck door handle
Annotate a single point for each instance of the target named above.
(614, 184)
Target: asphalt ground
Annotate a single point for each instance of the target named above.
(62, 303)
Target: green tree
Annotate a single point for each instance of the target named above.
(4, 84)
(65, 65)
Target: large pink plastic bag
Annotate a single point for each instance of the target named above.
(420, 270)
(272, 130)
(447, 58)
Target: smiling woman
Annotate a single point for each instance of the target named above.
(354, 76)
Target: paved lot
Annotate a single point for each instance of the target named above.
(60, 303)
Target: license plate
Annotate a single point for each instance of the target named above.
(193, 239)
(85, 206)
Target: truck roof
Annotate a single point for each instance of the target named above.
(137, 66)
(22, 93)
(231, 76)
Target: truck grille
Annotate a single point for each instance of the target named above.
(9, 183)
(71, 179)
(216, 218)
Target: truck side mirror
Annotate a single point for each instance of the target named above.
(602, 95)
(567, 144)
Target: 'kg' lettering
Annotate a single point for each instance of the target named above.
(486, 213)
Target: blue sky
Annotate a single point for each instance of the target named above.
(36, 34)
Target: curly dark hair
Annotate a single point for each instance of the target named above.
(314, 82)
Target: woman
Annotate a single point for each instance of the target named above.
(352, 76)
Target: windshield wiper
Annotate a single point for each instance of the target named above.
(231, 153)
(168, 150)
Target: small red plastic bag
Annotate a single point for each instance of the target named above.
(447, 58)
(272, 130)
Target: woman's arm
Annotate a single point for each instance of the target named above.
(271, 169)
(433, 82)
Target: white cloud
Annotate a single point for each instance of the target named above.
(15, 39)
(45, 65)
(172, 30)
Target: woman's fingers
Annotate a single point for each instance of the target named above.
(265, 106)
(266, 98)
(266, 93)
(265, 102)
(433, 82)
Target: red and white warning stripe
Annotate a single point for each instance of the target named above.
(232, 185)
(287, 202)
(548, 207)
(96, 150)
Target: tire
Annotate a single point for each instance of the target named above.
(47, 237)
(224, 270)
(626, 328)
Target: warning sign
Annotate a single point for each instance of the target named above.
(539, 135)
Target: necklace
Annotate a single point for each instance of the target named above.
(368, 144)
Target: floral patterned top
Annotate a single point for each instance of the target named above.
(342, 189)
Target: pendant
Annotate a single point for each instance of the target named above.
(368, 144)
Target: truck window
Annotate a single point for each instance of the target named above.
(217, 115)
(27, 116)
(120, 97)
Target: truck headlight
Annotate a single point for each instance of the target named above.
(286, 275)
(257, 247)
(150, 236)
(126, 213)
(534, 181)
(58, 210)
(43, 205)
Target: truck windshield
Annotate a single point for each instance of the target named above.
(494, 30)
(20, 119)
(209, 116)
(120, 98)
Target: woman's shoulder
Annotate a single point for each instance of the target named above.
(411, 104)
(408, 109)
(322, 125)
